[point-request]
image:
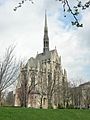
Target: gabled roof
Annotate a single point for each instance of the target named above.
(43, 56)
(40, 58)
(87, 83)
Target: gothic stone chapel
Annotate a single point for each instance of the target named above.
(41, 80)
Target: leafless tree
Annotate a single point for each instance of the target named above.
(8, 69)
(75, 95)
(52, 88)
(47, 88)
(65, 92)
(25, 89)
(74, 11)
(9, 99)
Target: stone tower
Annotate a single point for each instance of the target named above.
(40, 80)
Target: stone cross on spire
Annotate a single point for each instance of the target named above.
(46, 38)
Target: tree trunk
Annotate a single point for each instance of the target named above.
(0, 99)
(41, 100)
(49, 102)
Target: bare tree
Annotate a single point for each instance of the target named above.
(25, 89)
(74, 11)
(75, 95)
(9, 99)
(8, 70)
(46, 88)
(51, 88)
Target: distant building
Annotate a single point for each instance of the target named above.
(85, 94)
(80, 96)
(41, 79)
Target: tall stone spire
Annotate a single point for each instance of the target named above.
(46, 38)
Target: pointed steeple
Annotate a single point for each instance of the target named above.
(46, 20)
(46, 38)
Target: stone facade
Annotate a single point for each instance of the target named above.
(80, 96)
(41, 79)
(85, 95)
(84, 91)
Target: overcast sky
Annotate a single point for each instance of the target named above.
(25, 29)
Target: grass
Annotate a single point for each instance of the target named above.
(42, 114)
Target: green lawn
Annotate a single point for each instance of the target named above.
(39, 114)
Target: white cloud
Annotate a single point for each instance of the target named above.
(25, 28)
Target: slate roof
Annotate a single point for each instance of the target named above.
(87, 83)
(43, 56)
(33, 62)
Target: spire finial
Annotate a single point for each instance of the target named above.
(45, 18)
(46, 39)
(46, 28)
